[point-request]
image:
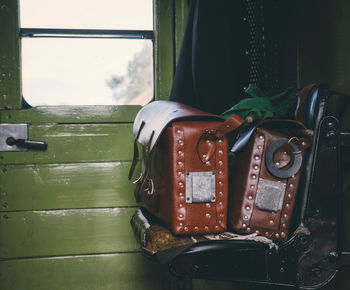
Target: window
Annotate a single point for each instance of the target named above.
(86, 53)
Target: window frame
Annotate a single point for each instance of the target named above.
(169, 19)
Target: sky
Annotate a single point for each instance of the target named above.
(58, 71)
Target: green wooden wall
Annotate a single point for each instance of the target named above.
(64, 213)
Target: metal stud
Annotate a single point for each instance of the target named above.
(261, 137)
(181, 215)
(220, 203)
(285, 216)
(291, 185)
(244, 225)
(220, 182)
(271, 222)
(252, 186)
(220, 162)
(208, 141)
(250, 197)
(186, 229)
(267, 234)
(204, 156)
(220, 172)
(257, 232)
(220, 193)
(181, 142)
(256, 157)
(216, 227)
(283, 234)
(180, 163)
(246, 52)
(289, 195)
(254, 176)
(180, 224)
(221, 214)
(277, 163)
(259, 147)
(220, 152)
(207, 163)
(247, 207)
(220, 141)
(303, 143)
(179, 173)
(208, 215)
(179, 131)
(207, 205)
(181, 184)
(249, 229)
(196, 228)
(220, 221)
(179, 152)
(256, 167)
(283, 225)
(180, 205)
(181, 194)
(245, 217)
(277, 235)
(287, 205)
(206, 228)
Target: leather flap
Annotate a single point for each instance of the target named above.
(155, 116)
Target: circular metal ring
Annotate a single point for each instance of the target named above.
(280, 173)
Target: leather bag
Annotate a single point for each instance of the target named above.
(184, 180)
(266, 177)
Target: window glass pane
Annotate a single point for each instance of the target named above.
(87, 14)
(80, 71)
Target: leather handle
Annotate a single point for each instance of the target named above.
(206, 145)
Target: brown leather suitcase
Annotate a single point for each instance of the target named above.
(185, 176)
(266, 175)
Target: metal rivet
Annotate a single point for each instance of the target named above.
(259, 147)
(180, 205)
(180, 163)
(208, 215)
(181, 142)
(267, 234)
(303, 143)
(257, 232)
(244, 18)
(291, 185)
(216, 227)
(277, 235)
(186, 229)
(204, 156)
(179, 152)
(181, 224)
(220, 141)
(287, 205)
(246, 52)
(196, 228)
(208, 141)
(249, 229)
(271, 222)
(220, 172)
(283, 234)
(181, 184)
(254, 176)
(250, 197)
(206, 228)
(181, 215)
(261, 137)
(207, 204)
(179, 173)
(277, 163)
(220, 193)
(244, 88)
(289, 195)
(244, 225)
(220, 152)
(221, 214)
(252, 186)
(220, 182)
(220, 221)
(256, 157)
(256, 167)
(181, 194)
(285, 215)
(220, 203)
(220, 162)
(179, 131)
(245, 217)
(247, 207)
(284, 225)
(207, 163)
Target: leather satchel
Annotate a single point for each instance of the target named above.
(184, 180)
(266, 177)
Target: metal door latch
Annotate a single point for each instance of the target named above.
(14, 138)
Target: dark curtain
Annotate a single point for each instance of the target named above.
(230, 43)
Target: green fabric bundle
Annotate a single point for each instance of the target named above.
(277, 106)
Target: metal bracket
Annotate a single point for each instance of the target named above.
(16, 131)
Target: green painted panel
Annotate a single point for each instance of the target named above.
(66, 232)
(164, 54)
(181, 12)
(76, 143)
(325, 43)
(101, 272)
(59, 186)
(71, 114)
(10, 93)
